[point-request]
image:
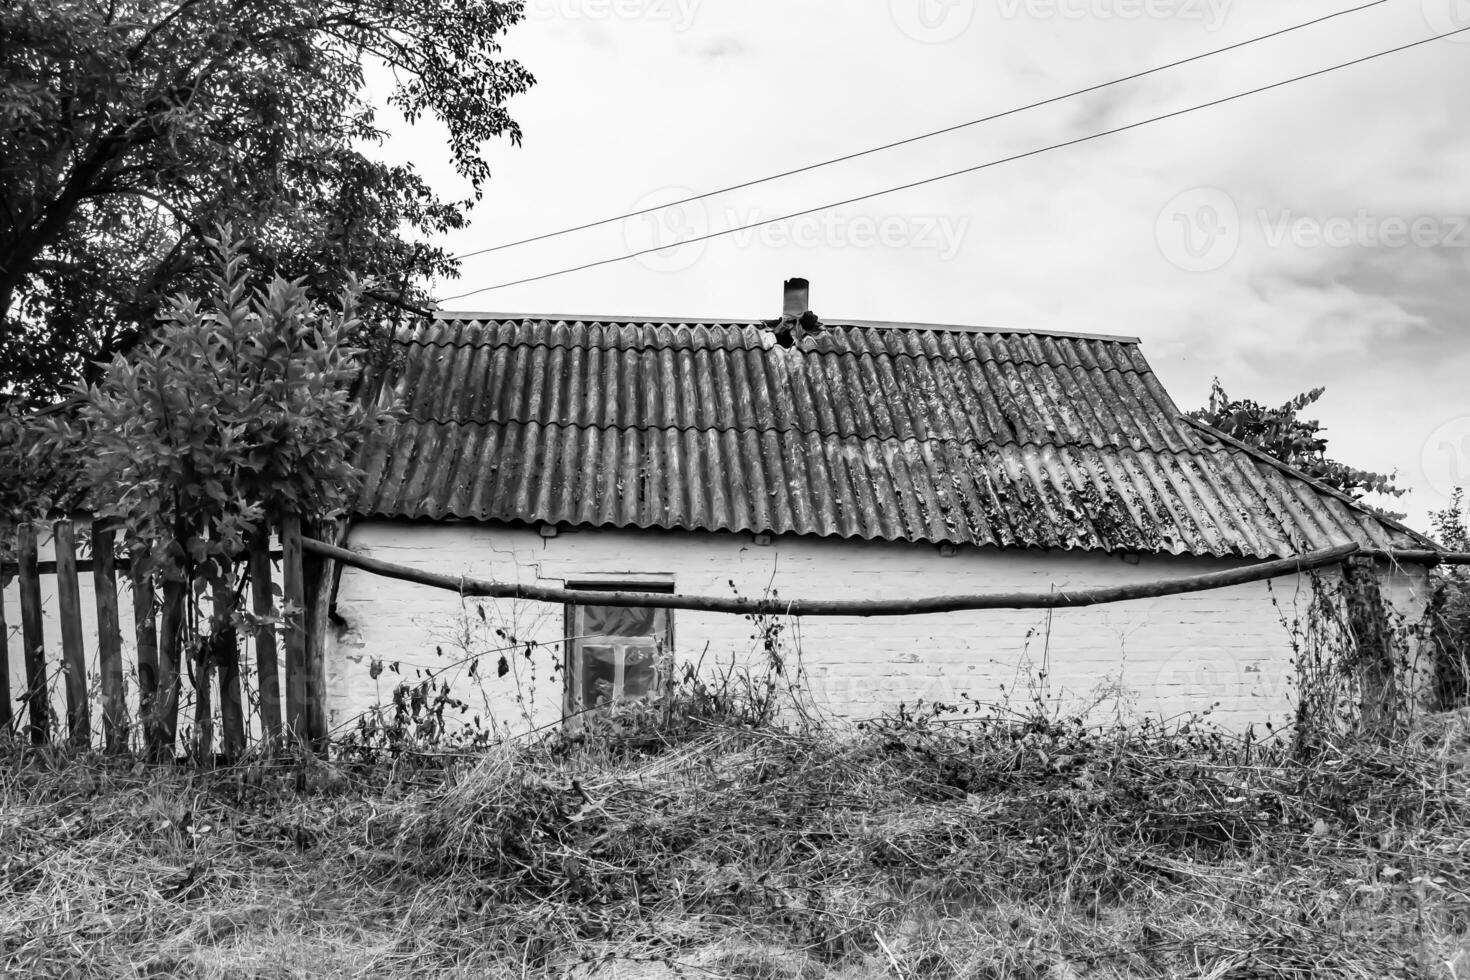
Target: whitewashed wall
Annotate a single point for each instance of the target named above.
(1159, 657)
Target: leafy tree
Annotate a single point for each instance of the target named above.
(1282, 433)
(130, 128)
(232, 413)
(1449, 607)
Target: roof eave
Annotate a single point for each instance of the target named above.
(1312, 482)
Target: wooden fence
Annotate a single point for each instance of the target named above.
(161, 611)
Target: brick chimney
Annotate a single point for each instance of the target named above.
(797, 319)
(798, 298)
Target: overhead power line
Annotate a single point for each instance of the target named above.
(967, 170)
(922, 136)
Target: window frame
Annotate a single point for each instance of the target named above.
(654, 586)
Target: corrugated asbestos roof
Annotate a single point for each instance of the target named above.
(899, 432)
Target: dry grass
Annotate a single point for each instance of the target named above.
(908, 850)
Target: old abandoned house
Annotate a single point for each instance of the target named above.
(844, 459)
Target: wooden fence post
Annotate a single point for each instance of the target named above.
(225, 645)
(165, 721)
(7, 716)
(268, 671)
(202, 750)
(145, 630)
(318, 573)
(109, 638)
(73, 653)
(298, 717)
(37, 697)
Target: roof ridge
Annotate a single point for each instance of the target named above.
(446, 316)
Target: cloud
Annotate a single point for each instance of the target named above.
(724, 46)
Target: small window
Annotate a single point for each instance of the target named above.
(615, 653)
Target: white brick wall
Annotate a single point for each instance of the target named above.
(1158, 657)
(1170, 656)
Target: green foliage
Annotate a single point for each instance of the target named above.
(35, 482)
(131, 128)
(1449, 607)
(234, 412)
(1282, 433)
(1452, 525)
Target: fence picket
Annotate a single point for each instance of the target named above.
(7, 716)
(317, 587)
(32, 636)
(73, 652)
(203, 677)
(266, 666)
(145, 632)
(225, 644)
(165, 720)
(109, 638)
(294, 585)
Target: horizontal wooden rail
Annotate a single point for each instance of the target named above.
(836, 607)
(123, 563)
(8, 569)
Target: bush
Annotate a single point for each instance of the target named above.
(1449, 609)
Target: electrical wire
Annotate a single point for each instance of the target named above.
(961, 172)
(923, 136)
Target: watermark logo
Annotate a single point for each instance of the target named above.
(663, 233)
(671, 233)
(932, 21)
(1445, 460)
(679, 14)
(1210, 14)
(1221, 680)
(942, 235)
(1447, 17)
(1199, 230)
(1364, 229)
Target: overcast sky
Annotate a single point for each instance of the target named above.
(1311, 235)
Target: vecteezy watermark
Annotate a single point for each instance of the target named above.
(1211, 14)
(679, 14)
(666, 230)
(1220, 680)
(1200, 230)
(932, 21)
(1447, 17)
(1365, 230)
(938, 21)
(671, 235)
(941, 234)
(1445, 459)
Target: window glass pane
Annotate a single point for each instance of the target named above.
(640, 670)
(616, 654)
(615, 621)
(599, 673)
